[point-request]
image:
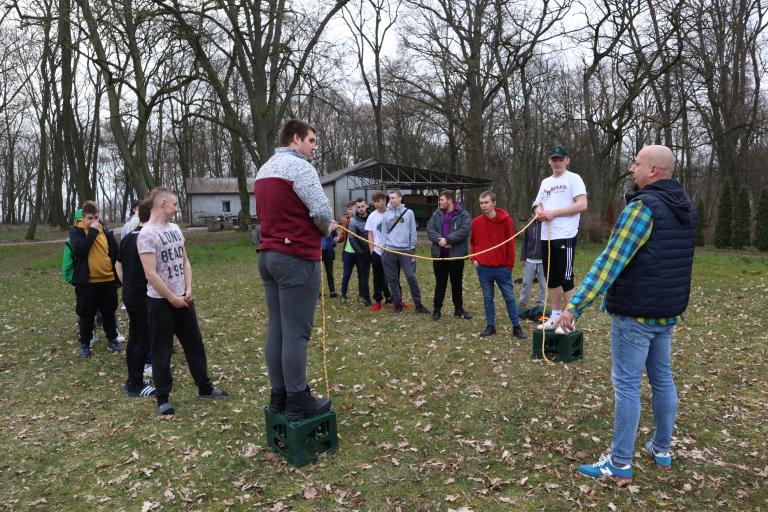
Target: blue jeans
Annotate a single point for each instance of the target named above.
(502, 276)
(635, 346)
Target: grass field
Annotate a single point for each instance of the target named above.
(431, 417)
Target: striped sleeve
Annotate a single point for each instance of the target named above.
(632, 230)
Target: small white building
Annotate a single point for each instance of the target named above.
(215, 197)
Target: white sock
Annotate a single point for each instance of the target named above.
(555, 313)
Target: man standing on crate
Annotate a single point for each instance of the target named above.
(645, 274)
(561, 199)
(295, 214)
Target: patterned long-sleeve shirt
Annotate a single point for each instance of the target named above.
(632, 230)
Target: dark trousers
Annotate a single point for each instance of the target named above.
(393, 263)
(362, 262)
(92, 298)
(165, 321)
(380, 288)
(328, 258)
(443, 270)
(137, 348)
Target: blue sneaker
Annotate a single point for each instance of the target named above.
(114, 346)
(662, 460)
(605, 468)
(85, 351)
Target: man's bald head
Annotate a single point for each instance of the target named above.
(662, 157)
(652, 163)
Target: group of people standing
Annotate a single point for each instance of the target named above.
(644, 273)
(152, 266)
(390, 229)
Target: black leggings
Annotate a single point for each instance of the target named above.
(137, 348)
(165, 321)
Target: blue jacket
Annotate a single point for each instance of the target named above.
(327, 245)
(656, 283)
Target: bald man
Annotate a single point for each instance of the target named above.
(645, 274)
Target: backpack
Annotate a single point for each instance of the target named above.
(68, 259)
(68, 262)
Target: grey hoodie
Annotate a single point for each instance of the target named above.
(401, 236)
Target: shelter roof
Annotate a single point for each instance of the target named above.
(374, 175)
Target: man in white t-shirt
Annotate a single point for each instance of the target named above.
(373, 226)
(561, 199)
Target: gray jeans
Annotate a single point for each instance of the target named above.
(291, 287)
(392, 264)
(530, 271)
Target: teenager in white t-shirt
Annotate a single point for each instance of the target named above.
(373, 226)
(561, 199)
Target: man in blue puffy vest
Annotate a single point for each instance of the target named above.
(645, 274)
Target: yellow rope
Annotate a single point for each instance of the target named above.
(322, 338)
(450, 258)
(544, 318)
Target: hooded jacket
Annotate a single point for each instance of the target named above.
(81, 247)
(656, 283)
(458, 236)
(357, 226)
(400, 235)
(487, 233)
(531, 249)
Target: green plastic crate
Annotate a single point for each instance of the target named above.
(560, 347)
(301, 442)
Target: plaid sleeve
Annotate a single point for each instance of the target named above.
(632, 230)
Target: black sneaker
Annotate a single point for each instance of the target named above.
(489, 331)
(436, 315)
(343, 299)
(462, 314)
(421, 309)
(165, 411)
(114, 346)
(147, 390)
(85, 351)
(388, 300)
(365, 302)
(398, 308)
(518, 333)
(333, 295)
(215, 393)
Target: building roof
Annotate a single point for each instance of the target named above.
(215, 185)
(374, 175)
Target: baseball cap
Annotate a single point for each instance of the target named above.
(559, 152)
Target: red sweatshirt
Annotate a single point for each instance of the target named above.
(489, 232)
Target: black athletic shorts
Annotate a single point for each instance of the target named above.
(560, 262)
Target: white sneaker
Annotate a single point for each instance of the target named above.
(120, 337)
(148, 371)
(548, 325)
(95, 338)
